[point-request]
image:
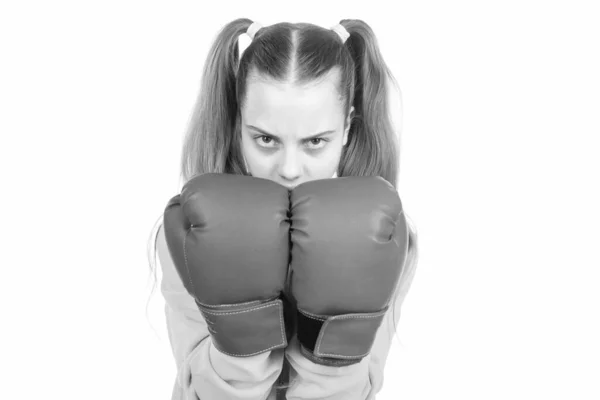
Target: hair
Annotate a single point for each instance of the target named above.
(297, 53)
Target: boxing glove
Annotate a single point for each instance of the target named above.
(228, 236)
(349, 241)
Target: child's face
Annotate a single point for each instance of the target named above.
(288, 117)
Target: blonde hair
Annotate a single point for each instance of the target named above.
(297, 53)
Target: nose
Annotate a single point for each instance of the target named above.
(290, 168)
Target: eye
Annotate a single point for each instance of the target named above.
(317, 143)
(264, 140)
(269, 142)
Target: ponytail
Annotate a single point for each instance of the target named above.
(208, 140)
(373, 145)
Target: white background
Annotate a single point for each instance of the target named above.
(499, 172)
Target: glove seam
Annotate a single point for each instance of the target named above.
(241, 311)
(312, 316)
(277, 303)
(187, 267)
(248, 303)
(322, 361)
(317, 351)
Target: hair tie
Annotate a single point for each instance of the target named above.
(341, 31)
(252, 29)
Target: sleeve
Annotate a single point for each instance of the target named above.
(204, 373)
(361, 381)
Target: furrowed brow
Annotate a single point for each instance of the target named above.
(277, 137)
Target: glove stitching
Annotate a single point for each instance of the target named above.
(405, 249)
(327, 322)
(241, 311)
(187, 267)
(258, 302)
(320, 341)
(283, 338)
(320, 360)
(312, 316)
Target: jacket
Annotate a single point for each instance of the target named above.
(206, 374)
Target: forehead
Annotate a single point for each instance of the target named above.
(272, 100)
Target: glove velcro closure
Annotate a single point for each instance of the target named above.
(338, 340)
(243, 330)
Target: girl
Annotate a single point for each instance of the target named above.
(301, 103)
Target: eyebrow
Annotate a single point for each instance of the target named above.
(277, 137)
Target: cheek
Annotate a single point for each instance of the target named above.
(334, 152)
(326, 161)
(253, 155)
(248, 149)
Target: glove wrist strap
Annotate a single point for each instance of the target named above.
(340, 339)
(247, 329)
